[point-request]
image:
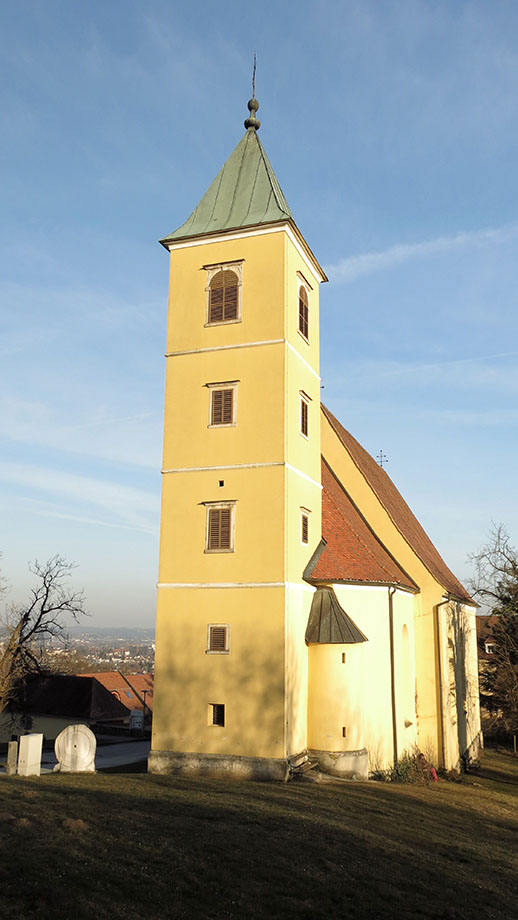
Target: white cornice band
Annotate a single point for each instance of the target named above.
(243, 466)
(236, 584)
(311, 263)
(199, 351)
(196, 351)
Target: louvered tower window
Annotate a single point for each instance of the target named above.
(303, 312)
(304, 420)
(222, 406)
(220, 528)
(304, 528)
(218, 638)
(223, 297)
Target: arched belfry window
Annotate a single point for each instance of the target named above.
(303, 312)
(224, 293)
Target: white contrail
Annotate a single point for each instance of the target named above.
(369, 262)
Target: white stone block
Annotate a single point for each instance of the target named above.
(12, 758)
(29, 755)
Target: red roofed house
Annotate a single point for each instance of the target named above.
(301, 607)
(132, 690)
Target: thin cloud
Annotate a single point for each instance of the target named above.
(370, 262)
(134, 508)
(133, 439)
(488, 376)
(41, 511)
(398, 370)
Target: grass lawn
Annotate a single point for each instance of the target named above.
(136, 846)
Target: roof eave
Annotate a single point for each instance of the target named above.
(171, 241)
(359, 582)
(466, 599)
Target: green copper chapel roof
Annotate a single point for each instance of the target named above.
(245, 193)
(328, 623)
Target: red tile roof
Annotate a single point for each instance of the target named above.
(352, 552)
(398, 510)
(127, 688)
(141, 683)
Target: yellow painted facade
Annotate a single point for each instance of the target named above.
(268, 696)
(437, 721)
(270, 472)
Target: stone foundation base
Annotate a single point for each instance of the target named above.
(219, 765)
(347, 764)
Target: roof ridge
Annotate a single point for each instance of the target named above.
(434, 567)
(239, 172)
(281, 204)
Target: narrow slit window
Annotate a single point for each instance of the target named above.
(223, 297)
(219, 529)
(218, 638)
(304, 526)
(304, 417)
(222, 407)
(303, 312)
(217, 714)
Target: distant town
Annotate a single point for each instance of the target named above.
(129, 650)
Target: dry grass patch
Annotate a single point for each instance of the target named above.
(159, 847)
(75, 824)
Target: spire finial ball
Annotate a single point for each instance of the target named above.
(252, 121)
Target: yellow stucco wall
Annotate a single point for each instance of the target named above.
(336, 697)
(459, 672)
(429, 640)
(298, 604)
(357, 694)
(249, 681)
(259, 526)
(271, 472)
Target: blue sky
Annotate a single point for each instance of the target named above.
(393, 130)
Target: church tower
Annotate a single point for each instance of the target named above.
(241, 490)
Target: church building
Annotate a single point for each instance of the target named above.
(302, 609)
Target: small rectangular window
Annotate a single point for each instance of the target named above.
(222, 406)
(217, 714)
(218, 638)
(304, 425)
(304, 528)
(219, 536)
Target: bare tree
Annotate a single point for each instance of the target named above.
(495, 583)
(495, 569)
(27, 627)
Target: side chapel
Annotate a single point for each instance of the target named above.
(302, 609)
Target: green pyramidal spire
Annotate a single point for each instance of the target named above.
(245, 193)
